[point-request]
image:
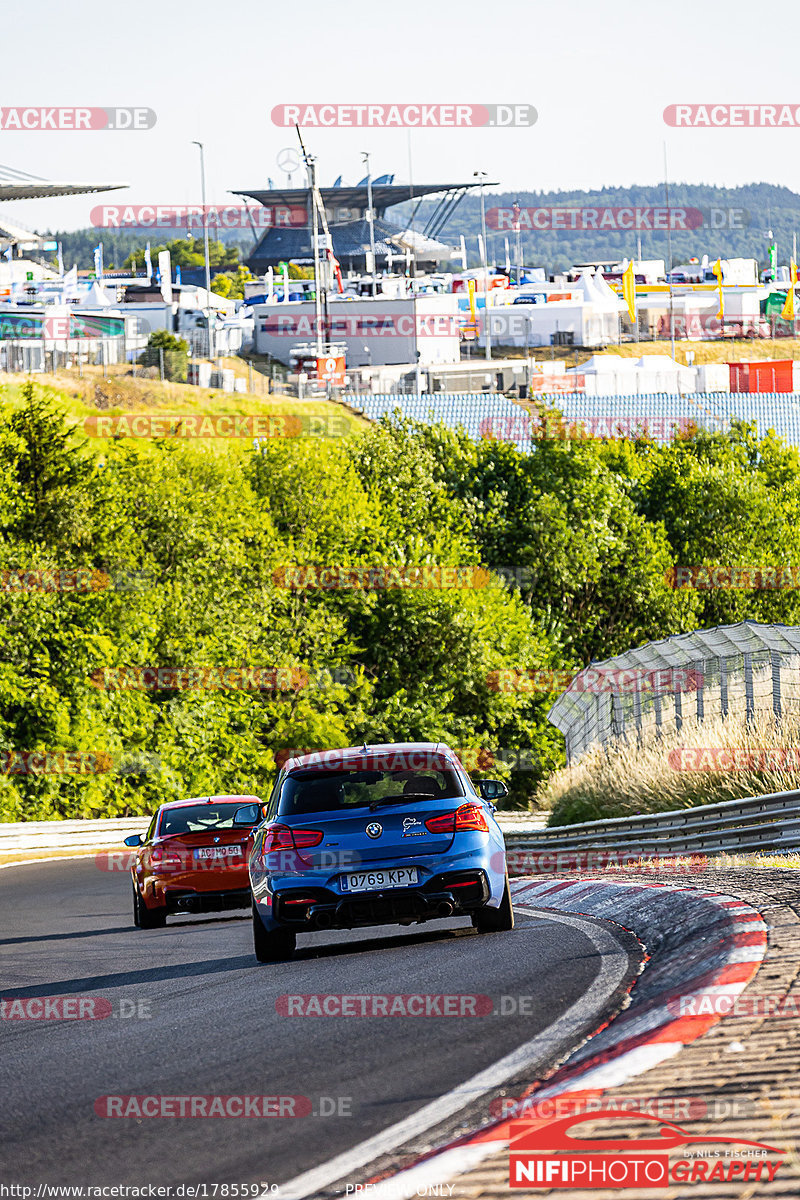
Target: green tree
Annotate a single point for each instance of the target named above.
(167, 349)
(231, 285)
(45, 468)
(188, 252)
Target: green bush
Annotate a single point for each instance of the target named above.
(165, 347)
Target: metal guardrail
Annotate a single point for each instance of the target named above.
(769, 822)
(110, 832)
(68, 835)
(756, 823)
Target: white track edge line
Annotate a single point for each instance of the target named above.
(613, 966)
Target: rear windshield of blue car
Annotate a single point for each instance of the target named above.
(312, 789)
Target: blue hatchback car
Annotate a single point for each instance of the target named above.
(376, 835)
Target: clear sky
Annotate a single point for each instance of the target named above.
(599, 74)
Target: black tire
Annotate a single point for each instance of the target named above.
(273, 945)
(496, 920)
(144, 917)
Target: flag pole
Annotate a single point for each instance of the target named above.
(669, 257)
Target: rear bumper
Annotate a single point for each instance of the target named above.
(178, 900)
(451, 894)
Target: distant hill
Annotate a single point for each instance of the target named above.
(757, 206)
(78, 244)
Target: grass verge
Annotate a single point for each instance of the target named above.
(706, 763)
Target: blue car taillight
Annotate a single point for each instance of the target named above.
(468, 816)
(282, 837)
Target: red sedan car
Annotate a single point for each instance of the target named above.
(193, 858)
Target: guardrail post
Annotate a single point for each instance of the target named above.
(700, 675)
(749, 702)
(775, 661)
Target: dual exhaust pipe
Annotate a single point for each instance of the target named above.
(322, 918)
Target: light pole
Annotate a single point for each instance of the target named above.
(370, 219)
(311, 164)
(205, 248)
(482, 175)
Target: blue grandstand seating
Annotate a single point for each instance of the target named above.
(488, 414)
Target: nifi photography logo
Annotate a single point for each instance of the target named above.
(543, 1156)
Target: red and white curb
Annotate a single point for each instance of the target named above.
(639, 1038)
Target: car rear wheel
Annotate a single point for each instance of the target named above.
(144, 917)
(271, 945)
(496, 920)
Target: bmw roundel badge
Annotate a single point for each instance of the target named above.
(374, 830)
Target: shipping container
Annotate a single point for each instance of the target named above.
(771, 375)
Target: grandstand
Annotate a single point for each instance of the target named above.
(483, 414)
(661, 413)
(478, 413)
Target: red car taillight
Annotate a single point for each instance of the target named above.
(281, 837)
(468, 816)
(164, 857)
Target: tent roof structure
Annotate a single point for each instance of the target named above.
(18, 185)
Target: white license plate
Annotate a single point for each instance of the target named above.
(218, 852)
(369, 881)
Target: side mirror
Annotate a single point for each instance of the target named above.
(492, 789)
(248, 814)
(136, 839)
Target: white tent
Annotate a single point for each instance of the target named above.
(95, 298)
(610, 295)
(602, 363)
(591, 292)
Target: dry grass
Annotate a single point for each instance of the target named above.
(685, 864)
(729, 350)
(119, 393)
(628, 777)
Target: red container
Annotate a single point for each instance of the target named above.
(771, 375)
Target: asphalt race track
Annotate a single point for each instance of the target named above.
(206, 1024)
